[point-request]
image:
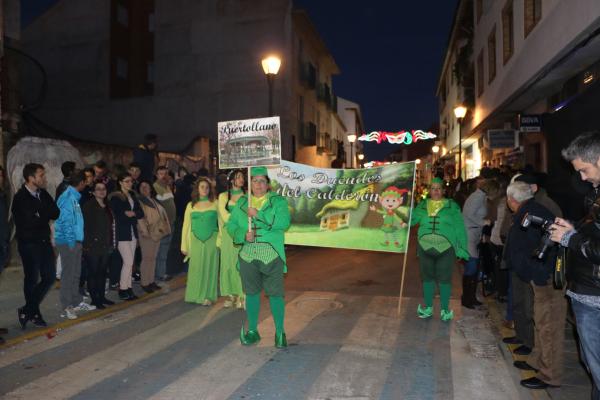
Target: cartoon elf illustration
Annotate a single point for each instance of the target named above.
(391, 199)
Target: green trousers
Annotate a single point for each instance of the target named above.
(436, 268)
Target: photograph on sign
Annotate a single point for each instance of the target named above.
(361, 209)
(249, 142)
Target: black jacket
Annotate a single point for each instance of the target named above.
(98, 228)
(583, 257)
(522, 242)
(146, 159)
(32, 216)
(124, 224)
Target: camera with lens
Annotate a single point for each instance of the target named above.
(544, 224)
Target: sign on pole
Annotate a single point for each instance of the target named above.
(249, 142)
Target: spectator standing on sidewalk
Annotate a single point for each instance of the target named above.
(4, 233)
(98, 243)
(126, 209)
(166, 198)
(102, 175)
(135, 171)
(582, 241)
(67, 168)
(68, 237)
(152, 228)
(145, 157)
(549, 305)
(88, 191)
(32, 210)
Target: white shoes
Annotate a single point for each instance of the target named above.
(207, 302)
(229, 302)
(83, 306)
(69, 313)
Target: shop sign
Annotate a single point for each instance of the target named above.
(502, 139)
(530, 123)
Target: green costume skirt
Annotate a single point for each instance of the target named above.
(231, 281)
(203, 270)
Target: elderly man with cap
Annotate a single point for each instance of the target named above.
(261, 259)
(442, 239)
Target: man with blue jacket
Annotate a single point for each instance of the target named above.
(68, 236)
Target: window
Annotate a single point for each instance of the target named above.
(479, 9)
(122, 66)
(508, 32)
(150, 73)
(480, 81)
(151, 22)
(122, 15)
(492, 55)
(533, 14)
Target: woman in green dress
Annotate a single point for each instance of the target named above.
(442, 239)
(230, 282)
(199, 244)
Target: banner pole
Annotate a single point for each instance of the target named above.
(249, 198)
(412, 199)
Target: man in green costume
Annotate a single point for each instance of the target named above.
(441, 239)
(262, 256)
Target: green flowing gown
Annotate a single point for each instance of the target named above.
(199, 241)
(231, 281)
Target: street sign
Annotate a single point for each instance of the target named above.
(530, 123)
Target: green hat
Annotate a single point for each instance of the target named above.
(259, 171)
(437, 180)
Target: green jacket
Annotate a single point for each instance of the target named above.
(272, 221)
(448, 223)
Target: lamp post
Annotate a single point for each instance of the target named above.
(271, 66)
(460, 112)
(351, 140)
(361, 157)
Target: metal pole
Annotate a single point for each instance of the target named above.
(460, 148)
(270, 81)
(352, 155)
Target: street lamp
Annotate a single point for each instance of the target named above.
(351, 140)
(271, 66)
(459, 112)
(361, 157)
(435, 149)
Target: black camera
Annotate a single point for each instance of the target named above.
(544, 224)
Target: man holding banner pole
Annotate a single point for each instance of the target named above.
(258, 223)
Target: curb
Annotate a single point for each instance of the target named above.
(51, 331)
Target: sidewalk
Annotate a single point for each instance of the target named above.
(11, 298)
(576, 383)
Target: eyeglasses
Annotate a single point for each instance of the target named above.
(259, 181)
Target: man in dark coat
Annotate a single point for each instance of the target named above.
(145, 157)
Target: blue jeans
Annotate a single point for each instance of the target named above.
(588, 329)
(161, 257)
(471, 266)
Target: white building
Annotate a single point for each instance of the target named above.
(117, 70)
(515, 65)
(352, 119)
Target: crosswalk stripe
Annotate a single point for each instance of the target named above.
(75, 378)
(37, 345)
(221, 375)
(359, 369)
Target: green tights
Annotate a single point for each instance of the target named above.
(253, 309)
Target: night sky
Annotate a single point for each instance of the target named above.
(389, 53)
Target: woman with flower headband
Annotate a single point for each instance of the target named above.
(230, 280)
(441, 239)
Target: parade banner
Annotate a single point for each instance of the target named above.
(249, 142)
(361, 209)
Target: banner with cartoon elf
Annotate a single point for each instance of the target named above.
(361, 209)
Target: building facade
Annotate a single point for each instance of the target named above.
(353, 122)
(118, 69)
(514, 64)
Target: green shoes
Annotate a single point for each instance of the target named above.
(426, 312)
(249, 338)
(446, 315)
(280, 340)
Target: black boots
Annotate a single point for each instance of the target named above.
(469, 297)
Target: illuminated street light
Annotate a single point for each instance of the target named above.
(459, 112)
(418, 161)
(352, 139)
(271, 66)
(435, 148)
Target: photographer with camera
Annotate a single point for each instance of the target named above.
(531, 256)
(582, 241)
